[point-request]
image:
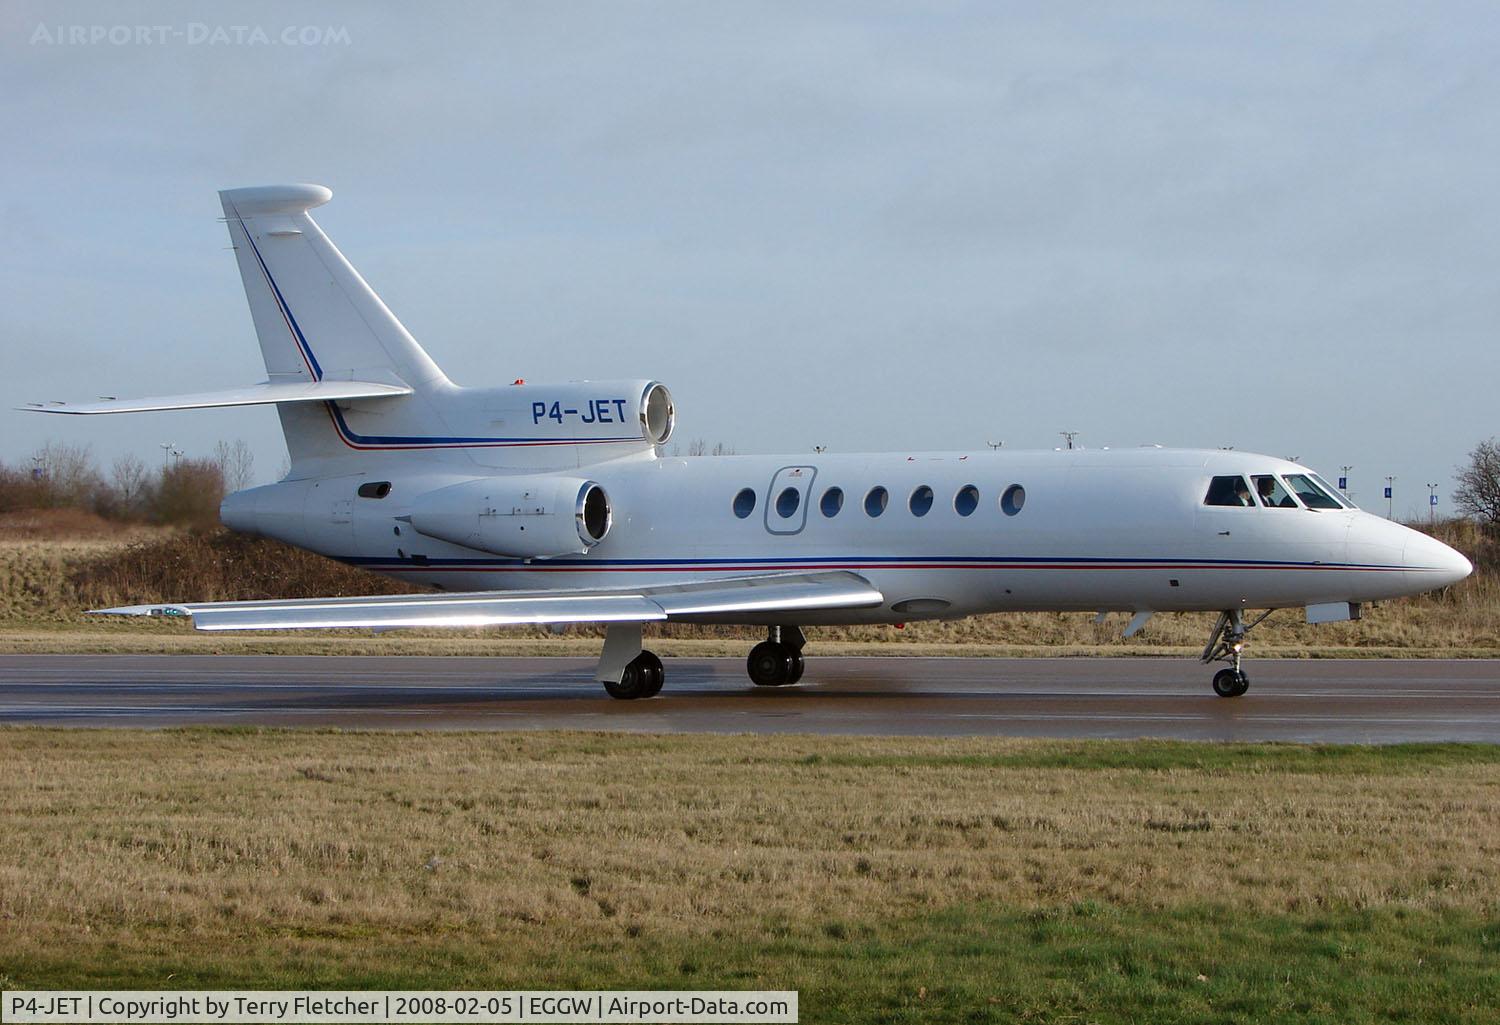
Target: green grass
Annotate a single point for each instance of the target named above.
(1166, 756)
(1079, 962)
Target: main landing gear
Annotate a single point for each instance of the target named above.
(626, 671)
(642, 678)
(777, 660)
(1225, 644)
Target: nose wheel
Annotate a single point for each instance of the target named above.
(1226, 644)
(1230, 683)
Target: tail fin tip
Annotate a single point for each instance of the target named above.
(276, 199)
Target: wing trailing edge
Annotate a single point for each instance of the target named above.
(785, 592)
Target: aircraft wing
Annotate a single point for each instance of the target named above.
(784, 592)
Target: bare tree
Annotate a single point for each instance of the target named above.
(1478, 491)
(66, 475)
(236, 464)
(132, 483)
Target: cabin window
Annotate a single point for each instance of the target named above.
(744, 503)
(787, 502)
(1312, 496)
(1013, 499)
(1272, 494)
(966, 501)
(875, 501)
(375, 489)
(1228, 491)
(921, 501)
(833, 501)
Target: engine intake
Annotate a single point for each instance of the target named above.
(538, 517)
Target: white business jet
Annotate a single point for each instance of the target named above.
(554, 504)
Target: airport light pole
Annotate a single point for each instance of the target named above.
(1432, 503)
(1390, 499)
(1070, 435)
(166, 452)
(994, 445)
(1344, 481)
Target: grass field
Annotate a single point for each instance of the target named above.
(887, 880)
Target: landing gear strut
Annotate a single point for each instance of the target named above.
(777, 660)
(1225, 645)
(626, 671)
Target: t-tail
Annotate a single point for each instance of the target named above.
(355, 391)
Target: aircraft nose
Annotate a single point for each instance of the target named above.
(1431, 563)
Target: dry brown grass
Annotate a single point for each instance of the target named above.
(208, 833)
(888, 880)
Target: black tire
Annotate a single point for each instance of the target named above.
(769, 664)
(655, 673)
(631, 686)
(1230, 684)
(798, 664)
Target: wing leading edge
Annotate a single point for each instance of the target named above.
(785, 592)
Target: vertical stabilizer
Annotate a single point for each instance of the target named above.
(318, 320)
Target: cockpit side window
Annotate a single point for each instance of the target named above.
(1308, 491)
(1230, 490)
(1273, 495)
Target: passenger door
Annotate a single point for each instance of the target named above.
(786, 502)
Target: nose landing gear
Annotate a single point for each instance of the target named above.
(1230, 683)
(777, 660)
(1225, 644)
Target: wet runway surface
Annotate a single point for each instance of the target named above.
(1314, 701)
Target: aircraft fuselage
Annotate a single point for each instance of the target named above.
(1089, 530)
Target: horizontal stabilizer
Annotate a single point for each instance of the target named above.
(254, 395)
(786, 592)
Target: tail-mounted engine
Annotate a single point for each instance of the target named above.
(534, 517)
(584, 412)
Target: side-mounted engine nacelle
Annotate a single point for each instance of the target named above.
(533, 517)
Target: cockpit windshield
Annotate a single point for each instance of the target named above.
(1312, 496)
(1272, 494)
(1338, 495)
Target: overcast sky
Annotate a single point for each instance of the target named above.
(863, 226)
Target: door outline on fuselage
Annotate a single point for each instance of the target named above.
(800, 476)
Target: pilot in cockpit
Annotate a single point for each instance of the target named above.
(1272, 496)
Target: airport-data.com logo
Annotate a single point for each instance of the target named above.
(195, 33)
